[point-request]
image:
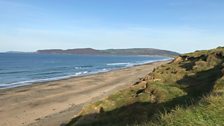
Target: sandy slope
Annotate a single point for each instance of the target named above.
(55, 103)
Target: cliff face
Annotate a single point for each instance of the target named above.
(90, 51)
(188, 90)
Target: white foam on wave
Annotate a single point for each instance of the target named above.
(81, 73)
(101, 71)
(152, 61)
(128, 64)
(83, 67)
(117, 64)
(78, 67)
(28, 82)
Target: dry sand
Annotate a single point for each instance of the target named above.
(55, 103)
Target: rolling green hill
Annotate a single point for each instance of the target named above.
(187, 91)
(132, 51)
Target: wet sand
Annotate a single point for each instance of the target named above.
(55, 103)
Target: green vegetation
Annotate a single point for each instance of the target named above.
(132, 51)
(187, 91)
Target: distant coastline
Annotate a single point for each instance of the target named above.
(115, 52)
(131, 51)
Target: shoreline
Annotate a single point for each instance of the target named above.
(40, 81)
(56, 102)
(74, 76)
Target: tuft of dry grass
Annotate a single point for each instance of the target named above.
(187, 91)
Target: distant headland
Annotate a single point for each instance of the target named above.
(91, 51)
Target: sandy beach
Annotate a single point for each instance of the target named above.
(55, 103)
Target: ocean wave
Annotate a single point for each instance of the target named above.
(100, 70)
(118, 64)
(83, 67)
(28, 82)
(14, 72)
(48, 73)
(79, 73)
(128, 64)
(151, 61)
(59, 68)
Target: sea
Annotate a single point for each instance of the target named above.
(19, 69)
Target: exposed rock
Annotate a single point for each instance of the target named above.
(190, 58)
(139, 92)
(178, 60)
(219, 54)
(142, 90)
(193, 58)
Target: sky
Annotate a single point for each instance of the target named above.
(177, 25)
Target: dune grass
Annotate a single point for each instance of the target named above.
(187, 91)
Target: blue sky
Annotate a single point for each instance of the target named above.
(178, 25)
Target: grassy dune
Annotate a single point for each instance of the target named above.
(187, 91)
